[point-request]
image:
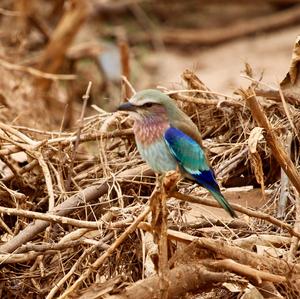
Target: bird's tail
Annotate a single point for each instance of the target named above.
(224, 203)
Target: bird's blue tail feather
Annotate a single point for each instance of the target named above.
(223, 202)
(207, 180)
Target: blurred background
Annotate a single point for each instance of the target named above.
(149, 42)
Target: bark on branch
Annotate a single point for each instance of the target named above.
(182, 279)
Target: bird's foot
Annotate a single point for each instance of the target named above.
(170, 180)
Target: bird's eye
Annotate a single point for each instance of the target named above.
(148, 105)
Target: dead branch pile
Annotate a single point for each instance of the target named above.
(80, 216)
(54, 234)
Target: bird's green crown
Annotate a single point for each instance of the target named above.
(153, 96)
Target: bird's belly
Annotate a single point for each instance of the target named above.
(158, 156)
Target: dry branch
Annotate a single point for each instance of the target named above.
(284, 181)
(168, 183)
(246, 271)
(124, 53)
(159, 223)
(107, 253)
(61, 39)
(57, 219)
(45, 247)
(193, 273)
(223, 250)
(34, 72)
(276, 147)
(274, 95)
(73, 269)
(159, 214)
(238, 208)
(295, 240)
(183, 279)
(209, 37)
(85, 98)
(85, 196)
(215, 102)
(71, 139)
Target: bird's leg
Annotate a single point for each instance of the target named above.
(170, 180)
(159, 179)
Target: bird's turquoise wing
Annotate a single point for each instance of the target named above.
(191, 157)
(186, 150)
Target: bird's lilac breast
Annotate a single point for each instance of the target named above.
(150, 142)
(149, 131)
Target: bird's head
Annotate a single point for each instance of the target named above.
(149, 103)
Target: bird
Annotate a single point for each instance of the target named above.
(167, 139)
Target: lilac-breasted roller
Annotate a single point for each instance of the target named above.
(167, 138)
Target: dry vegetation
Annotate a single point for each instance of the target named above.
(81, 214)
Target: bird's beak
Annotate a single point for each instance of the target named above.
(127, 107)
